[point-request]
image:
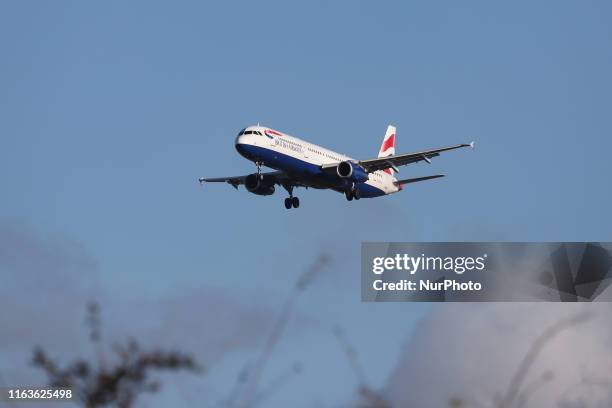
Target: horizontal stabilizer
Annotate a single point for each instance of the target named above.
(417, 179)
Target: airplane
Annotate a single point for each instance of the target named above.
(298, 163)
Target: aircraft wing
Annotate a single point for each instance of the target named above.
(278, 177)
(382, 163)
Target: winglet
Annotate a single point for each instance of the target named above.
(201, 180)
(472, 144)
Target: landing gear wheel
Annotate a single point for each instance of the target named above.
(356, 194)
(295, 202)
(348, 195)
(288, 203)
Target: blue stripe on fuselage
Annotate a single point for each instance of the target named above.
(301, 169)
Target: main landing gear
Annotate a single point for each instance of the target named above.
(291, 201)
(354, 193)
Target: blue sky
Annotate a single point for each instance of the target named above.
(109, 111)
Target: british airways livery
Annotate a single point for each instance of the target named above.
(302, 164)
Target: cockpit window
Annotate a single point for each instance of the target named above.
(249, 132)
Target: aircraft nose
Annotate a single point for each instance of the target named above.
(239, 140)
(240, 145)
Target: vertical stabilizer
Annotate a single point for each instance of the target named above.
(388, 146)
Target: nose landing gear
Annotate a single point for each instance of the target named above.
(258, 164)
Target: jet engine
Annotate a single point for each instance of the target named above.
(256, 185)
(352, 171)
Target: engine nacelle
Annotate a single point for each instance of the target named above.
(254, 184)
(353, 171)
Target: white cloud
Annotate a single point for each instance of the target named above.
(471, 351)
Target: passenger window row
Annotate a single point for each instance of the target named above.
(329, 156)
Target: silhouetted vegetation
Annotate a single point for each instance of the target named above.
(116, 382)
